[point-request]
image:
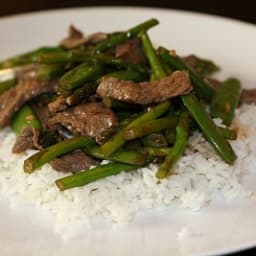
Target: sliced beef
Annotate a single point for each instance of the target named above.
(144, 93)
(73, 162)
(28, 139)
(131, 50)
(57, 105)
(202, 67)
(14, 98)
(76, 38)
(92, 119)
(248, 96)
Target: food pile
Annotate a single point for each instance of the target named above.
(114, 97)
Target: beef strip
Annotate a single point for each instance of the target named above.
(92, 119)
(248, 96)
(73, 162)
(131, 50)
(76, 38)
(144, 93)
(28, 139)
(12, 99)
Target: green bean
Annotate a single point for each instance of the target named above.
(28, 58)
(7, 84)
(88, 176)
(201, 88)
(79, 75)
(152, 56)
(118, 140)
(121, 156)
(120, 38)
(225, 100)
(48, 154)
(25, 116)
(209, 129)
(48, 72)
(143, 129)
(178, 148)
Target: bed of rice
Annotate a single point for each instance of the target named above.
(199, 176)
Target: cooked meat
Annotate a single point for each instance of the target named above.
(73, 162)
(28, 139)
(76, 38)
(248, 96)
(202, 67)
(131, 51)
(57, 105)
(26, 71)
(144, 93)
(92, 119)
(11, 100)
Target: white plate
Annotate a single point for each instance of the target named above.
(220, 228)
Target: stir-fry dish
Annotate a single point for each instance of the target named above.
(116, 97)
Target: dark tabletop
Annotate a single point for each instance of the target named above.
(238, 9)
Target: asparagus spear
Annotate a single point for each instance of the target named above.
(141, 130)
(63, 57)
(118, 140)
(79, 75)
(88, 176)
(121, 156)
(120, 38)
(28, 58)
(226, 99)
(209, 129)
(151, 54)
(48, 154)
(201, 88)
(178, 148)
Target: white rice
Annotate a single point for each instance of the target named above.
(199, 176)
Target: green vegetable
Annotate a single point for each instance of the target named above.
(77, 76)
(182, 132)
(118, 140)
(48, 72)
(48, 154)
(88, 176)
(28, 58)
(226, 99)
(121, 156)
(155, 63)
(209, 129)
(147, 127)
(24, 117)
(120, 38)
(7, 84)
